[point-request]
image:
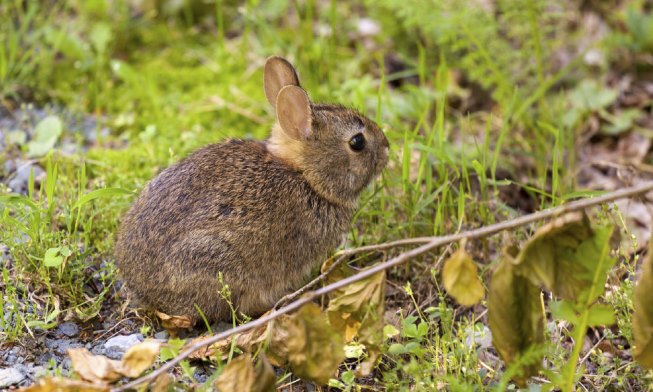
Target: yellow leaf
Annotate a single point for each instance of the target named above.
(357, 305)
(356, 311)
(240, 375)
(94, 368)
(461, 280)
(315, 350)
(60, 384)
(139, 358)
(643, 315)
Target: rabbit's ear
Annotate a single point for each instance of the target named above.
(294, 112)
(278, 74)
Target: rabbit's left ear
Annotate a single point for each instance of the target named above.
(278, 74)
(294, 112)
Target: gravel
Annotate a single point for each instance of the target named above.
(122, 343)
(10, 376)
(69, 329)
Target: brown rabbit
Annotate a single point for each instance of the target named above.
(263, 214)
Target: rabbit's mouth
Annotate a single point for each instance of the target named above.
(382, 161)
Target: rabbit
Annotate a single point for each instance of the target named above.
(262, 214)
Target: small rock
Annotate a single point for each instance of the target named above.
(98, 350)
(10, 376)
(123, 343)
(114, 353)
(39, 371)
(161, 335)
(69, 329)
(19, 181)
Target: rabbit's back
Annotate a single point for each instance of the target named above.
(229, 208)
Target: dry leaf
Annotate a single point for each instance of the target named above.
(139, 358)
(162, 383)
(240, 375)
(60, 384)
(269, 335)
(514, 314)
(315, 349)
(643, 315)
(356, 310)
(356, 304)
(173, 324)
(237, 376)
(461, 280)
(554, 258)
(95, 368)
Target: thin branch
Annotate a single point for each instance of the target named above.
(314, 282)
(429, 243)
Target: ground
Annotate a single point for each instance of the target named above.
(493, 109)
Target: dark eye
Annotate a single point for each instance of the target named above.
(357, 142)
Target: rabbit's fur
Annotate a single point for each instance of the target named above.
(263, 214)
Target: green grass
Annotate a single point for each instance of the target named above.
(164, 82)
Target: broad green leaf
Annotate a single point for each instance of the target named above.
(622, 122)
(566, 256)
(100, 36)
(397, 349)
(564, 310)
(315, 349)
(600, 314)
(515, 315)
(643, 314)
(390, 331)
(460, 277)
(65, 251)
(46, 134)
(591, 96)
(597, 314)
(52, 258)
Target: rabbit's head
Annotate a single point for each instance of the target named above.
(338, 150)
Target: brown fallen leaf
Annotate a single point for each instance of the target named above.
(60, 384)
(139, 358)
(356, 311)
(315, 349)
(269, 336)
(97, 369)
(173, 324)
(460, 278)
(162, 383)
(240, 375)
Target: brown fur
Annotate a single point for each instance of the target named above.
(263, 214)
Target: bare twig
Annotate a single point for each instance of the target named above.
(312, 283)
(428, 243)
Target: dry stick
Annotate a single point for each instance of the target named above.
(432, 242)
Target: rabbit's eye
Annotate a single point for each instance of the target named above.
(357, 142)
